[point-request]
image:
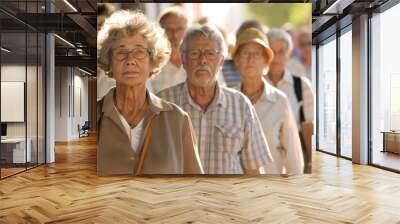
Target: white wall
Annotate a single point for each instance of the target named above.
(16, 73)
(79, 117)
(34, 124)
(61, 103)
(69, 85)
(82, 83)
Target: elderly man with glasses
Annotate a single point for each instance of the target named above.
(229, 134)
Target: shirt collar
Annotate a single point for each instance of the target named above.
(269, 93)
(219, 98)
(287, 77)
(156, 105)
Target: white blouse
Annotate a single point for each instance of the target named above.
(134, 134)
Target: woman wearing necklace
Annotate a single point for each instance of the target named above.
(139, 133)
(252, 56)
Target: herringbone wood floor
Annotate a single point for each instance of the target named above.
(70, 192)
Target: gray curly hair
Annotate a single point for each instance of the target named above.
(123, 23)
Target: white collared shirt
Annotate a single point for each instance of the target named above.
(135, 133)
(229, 134)
(280, 129)
(286, 85)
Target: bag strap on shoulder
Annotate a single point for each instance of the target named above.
(146, 143)
(99, 116)
(299, 95)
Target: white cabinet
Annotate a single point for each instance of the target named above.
(16, 148)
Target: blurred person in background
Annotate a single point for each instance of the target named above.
(228, 44)
(293, 32)
(293, 64)
(252, 56)
(104, 10)
(175, 22)
(104, 83)
(231, 140)
(297, 89)
(305, 46)
(251, 24)
(139, 133)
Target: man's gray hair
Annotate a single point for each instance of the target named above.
(280, 34)
(207, 31)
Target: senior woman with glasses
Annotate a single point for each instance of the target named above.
(252, 56)
(139, 133)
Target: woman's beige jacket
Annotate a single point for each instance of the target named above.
(172, 149)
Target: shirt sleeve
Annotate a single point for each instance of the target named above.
(290, 141)
(255, 153)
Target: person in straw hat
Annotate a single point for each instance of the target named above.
(252, 56)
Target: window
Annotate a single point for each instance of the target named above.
(22, 63)
(327, 96)
(346, 93)
(385, 87)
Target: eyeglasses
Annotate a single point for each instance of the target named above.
(137, 52)
(210, 54)
(254, 54)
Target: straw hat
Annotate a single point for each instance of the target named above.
(252, 35)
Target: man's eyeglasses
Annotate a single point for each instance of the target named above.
(210, 54)
(137, 53)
